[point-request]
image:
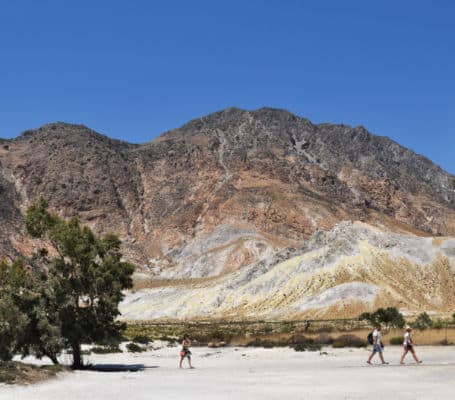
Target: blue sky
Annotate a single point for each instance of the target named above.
(134, 69)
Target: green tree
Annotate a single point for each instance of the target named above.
(83, 282)
(389, 317)
(12, 321)
(423, 321)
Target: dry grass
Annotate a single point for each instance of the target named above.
(20, 373)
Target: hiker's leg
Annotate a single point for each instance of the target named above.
(405, 351)
(381, 357)
(371, 356)
(189, 362)
(415, 356)
(181, 361)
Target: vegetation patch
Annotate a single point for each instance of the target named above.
(106, 349)
(303, 343)
(142, 339)
(422, 322)
(395, 341)
(349, 341)
(134, 348)
(12, 372)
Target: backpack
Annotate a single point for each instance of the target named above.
(370, 338)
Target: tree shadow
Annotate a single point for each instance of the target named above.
(118, 367)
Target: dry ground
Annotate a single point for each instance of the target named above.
(254, 373)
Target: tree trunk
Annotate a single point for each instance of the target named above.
(77, 356)
(53, 358)
(50, 355)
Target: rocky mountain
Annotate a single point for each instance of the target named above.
(222, 192)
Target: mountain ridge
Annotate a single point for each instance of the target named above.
(268, 174)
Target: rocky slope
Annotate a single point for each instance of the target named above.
(222, 192)
(352, 268)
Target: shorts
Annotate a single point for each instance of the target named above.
(409, 347)
(185, 353)
(377, 349)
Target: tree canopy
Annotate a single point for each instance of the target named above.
(390, 317)
(71, 291)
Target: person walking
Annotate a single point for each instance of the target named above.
(378, 347)
(408, 345)
(185, 352)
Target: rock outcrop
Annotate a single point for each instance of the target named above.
(351, 269)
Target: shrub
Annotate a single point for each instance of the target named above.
(302, 343)
(267, 344)
(324, 339)
(438, 324)
(397, 340)
(300, 347)
(389, 317)
(169, 339)
(349, 341)
(134, 348)
(106, 349)
(142, 339)
(423, 321)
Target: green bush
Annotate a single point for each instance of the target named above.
(438, 324)
(134, 348)
(106, 349)
(422, 322)
(300, 347)
(142, 339)
(397, 340)
(388, 317)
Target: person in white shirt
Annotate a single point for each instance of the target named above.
(378, 347)
(408, 345)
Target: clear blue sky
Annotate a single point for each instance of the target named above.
(133, 69)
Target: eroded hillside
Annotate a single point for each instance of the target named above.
(352, 268)
(222, 192)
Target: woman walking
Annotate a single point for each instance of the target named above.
(408, 346)
(185, 352)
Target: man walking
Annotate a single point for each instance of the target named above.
(377, 345)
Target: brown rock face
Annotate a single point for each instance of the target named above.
(222, 191)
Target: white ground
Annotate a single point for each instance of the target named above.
(254, 373)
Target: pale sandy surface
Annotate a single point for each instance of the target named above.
(254, 373)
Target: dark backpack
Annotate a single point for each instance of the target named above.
(370, 338)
